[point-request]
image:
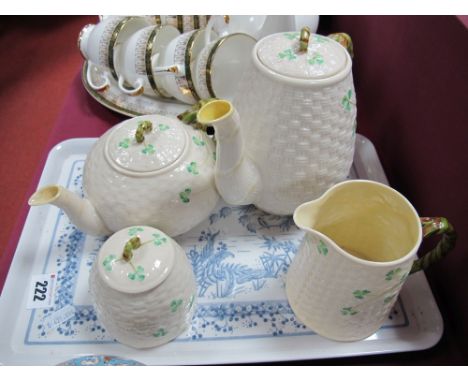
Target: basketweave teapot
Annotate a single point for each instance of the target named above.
(151, 170)
(292, 135)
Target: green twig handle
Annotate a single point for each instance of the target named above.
(430, 227)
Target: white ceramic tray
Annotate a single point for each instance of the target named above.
(240, 257)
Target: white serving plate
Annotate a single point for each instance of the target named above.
(132, 106)
(240, 256)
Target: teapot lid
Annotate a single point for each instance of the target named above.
(321, 58)
(146, 144)
(136, 259)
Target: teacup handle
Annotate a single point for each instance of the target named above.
(138, 90)
(89, 78)
(177, 70)
(430, 227)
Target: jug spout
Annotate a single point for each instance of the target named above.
(236, 176)
(305, 215)
(80, 211)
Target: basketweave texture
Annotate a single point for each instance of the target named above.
(150, 318)
(125, 200)
(338, 297)
(301, 139)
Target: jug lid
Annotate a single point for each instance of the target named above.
(146, 144)
(136, 259)
(322, 58)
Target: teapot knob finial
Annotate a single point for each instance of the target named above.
(304, 39)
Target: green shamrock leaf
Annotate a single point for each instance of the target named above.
(159, 239)
(184, 195)
(288, 54)
(198, 141)
(322, 248)
(107, 263)
(138, 275)
(316, 59)
(360, 294)
(134, 230)
(349, 311)
(160, 333)
(149, 149)
(175, 304)
(192, 168)
(389, 298)
(390, 275)
(163, 127)
(346, 101)
(292, 35)
(125, 144)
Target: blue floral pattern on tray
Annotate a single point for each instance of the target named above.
(240, 256)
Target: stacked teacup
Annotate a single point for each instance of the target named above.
(165, 57)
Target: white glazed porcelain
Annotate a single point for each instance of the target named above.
(143, 293)
(221, 65)
(361, 238)
(179, 65)
(141, 52)
(94, 42)
(292, 136)
(101, 45)
(184, 23)
(166, 181)
(259, 26)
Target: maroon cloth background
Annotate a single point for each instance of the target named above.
(411, 77)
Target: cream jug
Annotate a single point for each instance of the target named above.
(288, 135)
(360, 244)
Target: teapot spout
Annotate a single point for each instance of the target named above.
(80, 211)
(236, 176)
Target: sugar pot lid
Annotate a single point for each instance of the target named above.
(302, 55)
(136, 259)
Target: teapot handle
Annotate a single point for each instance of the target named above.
(435, 226)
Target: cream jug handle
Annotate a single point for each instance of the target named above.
(435, 226)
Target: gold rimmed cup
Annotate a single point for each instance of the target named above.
(221, 64)
(179, 61)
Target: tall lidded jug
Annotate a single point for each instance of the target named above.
(297, 109)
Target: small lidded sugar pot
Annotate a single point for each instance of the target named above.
(143, 287)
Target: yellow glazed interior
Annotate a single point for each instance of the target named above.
(367, 220)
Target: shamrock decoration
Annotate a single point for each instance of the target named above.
(160, 333)
(322, 248)
(390, 275)
(184, 195)
(107, 263)
(192, 168)
(149, 149)
(316, 59)
(288, 53)
(291, 36)
(175, 304)
(134, 230)
(138, 275)
(349, 311)
(125, 144)
(198, 141)
(163, 127)
(360, 294)
(389, 298)
(159, 239)
(346, 101)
